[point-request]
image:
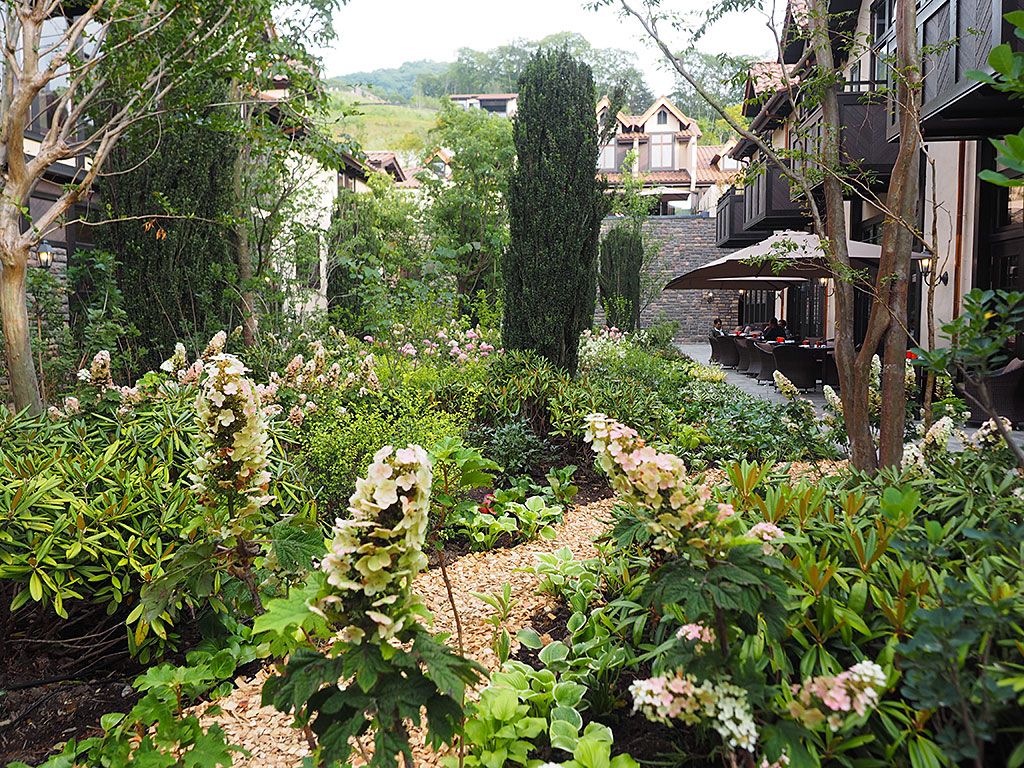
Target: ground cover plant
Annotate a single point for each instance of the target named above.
(190, 519)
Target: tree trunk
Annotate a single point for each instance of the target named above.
(897, 239)
(243, 248)
(21, 372)
(854, 376)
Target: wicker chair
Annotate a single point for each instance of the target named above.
(1007, 390)
(797, 364)
(743, 350)
(766, 356)
(714, 351)
(726, 353)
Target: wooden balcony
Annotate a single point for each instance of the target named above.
(768, 204)
(953, 105)
(864, 150)
(729, 222)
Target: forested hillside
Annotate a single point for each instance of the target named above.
(498, 70)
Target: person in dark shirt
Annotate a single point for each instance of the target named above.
(784, 330)
(716, 328)
(771, 331)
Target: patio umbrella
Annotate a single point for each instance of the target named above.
(691, 281)
(784, 254)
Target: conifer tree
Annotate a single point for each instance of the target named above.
(555, 209)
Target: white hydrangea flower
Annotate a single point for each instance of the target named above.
(378, 550)
(235, 448)
(786, 387)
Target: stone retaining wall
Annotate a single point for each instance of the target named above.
(685, 243)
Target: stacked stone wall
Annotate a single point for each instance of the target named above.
(685, 243)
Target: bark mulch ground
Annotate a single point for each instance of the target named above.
(268, 735)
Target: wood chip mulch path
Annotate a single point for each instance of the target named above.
(268, 735)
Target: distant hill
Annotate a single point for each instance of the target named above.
(397, 83)
(497, 71)
(382, 126)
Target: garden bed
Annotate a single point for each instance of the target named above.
(268, 735)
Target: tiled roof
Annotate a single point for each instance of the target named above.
(654, 178)
(768, 76)
(708, 158)
(628, 136)
(385, 161)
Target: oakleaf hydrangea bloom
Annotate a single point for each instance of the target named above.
(938, 435)
(833, 406)
(768, 533)
(176, 361)
(698, 634)
(988, 434)
(377, 552)
(636, 470)
(215, 346)
(722, 705)
(681, 515)
(235, 448)
(786, 387)
(914, 460)
(830, 699)
(98, 372)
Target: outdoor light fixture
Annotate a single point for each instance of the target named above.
(44, 254)
(709, 297)
(926, 269)
(824, 281)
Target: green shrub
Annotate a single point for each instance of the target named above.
(341, 437)
(555, 209)
(622, 256)
(95, 504)
(514, 446)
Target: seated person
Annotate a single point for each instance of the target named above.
(716, 328)
(784, 330)
(771, 331)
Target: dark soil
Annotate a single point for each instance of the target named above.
(56, 688)
(647, 742)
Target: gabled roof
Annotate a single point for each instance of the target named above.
(709, 158)
(663, 102)
(386, 162)
(633, 124)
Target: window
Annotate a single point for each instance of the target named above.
(756, 307)
(607, 161)
(882, 17)
(662, 155)
(663, 117)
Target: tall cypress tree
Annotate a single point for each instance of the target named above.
(555, 209)
(622, 259)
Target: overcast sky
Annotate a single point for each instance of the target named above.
(385, 33)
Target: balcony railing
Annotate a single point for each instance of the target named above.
(768, 203)
(863, 147)
(729, 229)
(957, 36)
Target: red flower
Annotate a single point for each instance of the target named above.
(911, 355)
(485, 506)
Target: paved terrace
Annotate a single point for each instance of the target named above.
(702, 354)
